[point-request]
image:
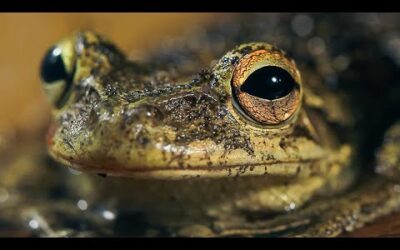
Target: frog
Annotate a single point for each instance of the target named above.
(252, 127)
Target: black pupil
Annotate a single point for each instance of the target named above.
(269, 82)
(52, 68)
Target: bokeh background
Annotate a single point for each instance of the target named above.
(25, 37)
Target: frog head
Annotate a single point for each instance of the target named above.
(248, 113)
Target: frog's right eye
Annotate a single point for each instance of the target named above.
(55, 75)
(267, 87)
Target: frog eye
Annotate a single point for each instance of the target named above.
(55, 76)
(267, 87)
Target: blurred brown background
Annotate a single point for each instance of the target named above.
(25, 37)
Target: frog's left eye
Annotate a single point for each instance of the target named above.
(267, 86)
(55, 75)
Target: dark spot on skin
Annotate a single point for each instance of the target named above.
(214, 83)
(270, 157)
(276, 50)
(221, 112)
(225, 60)
(283, 144)
(114, 55)
(298, 170)
(143, 141)
(235, 60)
(198, 79)
(110, 90)
(93, 118)
(261, 47)
(204, 76)
(242, 170)
(245, 50)
(181, 162)
(300, 131)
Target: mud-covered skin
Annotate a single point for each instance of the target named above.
(127, 122)
(171, 117)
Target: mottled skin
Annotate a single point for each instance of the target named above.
(199, 166)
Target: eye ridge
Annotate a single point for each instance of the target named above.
(269, 82)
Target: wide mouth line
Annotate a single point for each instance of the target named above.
(89, 167)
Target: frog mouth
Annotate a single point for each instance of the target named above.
(298, 168)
